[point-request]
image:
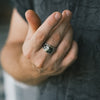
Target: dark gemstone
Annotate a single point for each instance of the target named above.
(50, 50)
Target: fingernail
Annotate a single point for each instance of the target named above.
(57, 16)
(68, 13)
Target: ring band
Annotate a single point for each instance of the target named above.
(48, 48)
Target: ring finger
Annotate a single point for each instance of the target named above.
(63, 48)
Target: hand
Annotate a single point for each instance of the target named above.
(56, 31)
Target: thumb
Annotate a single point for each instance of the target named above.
(33, 20)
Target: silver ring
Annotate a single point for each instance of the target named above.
(48, 48)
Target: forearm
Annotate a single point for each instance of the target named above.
(17, 65)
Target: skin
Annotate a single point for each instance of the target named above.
(23, 56)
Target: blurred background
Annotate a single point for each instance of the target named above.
(5, 15)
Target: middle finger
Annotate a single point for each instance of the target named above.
(58, 33)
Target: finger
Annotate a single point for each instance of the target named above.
(58, 33)
(68, 60)
(33, 21)
(44, 30)
(64, 46)
(71, 56)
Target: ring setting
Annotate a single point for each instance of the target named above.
(48, 48)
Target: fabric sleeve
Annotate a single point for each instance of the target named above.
(22, 6)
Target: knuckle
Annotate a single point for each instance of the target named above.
(55, 38)
(50, 22)
(40, 37)
(39, 64)
(27, 55)
(39, 61)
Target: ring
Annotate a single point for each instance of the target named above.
(48, 48)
